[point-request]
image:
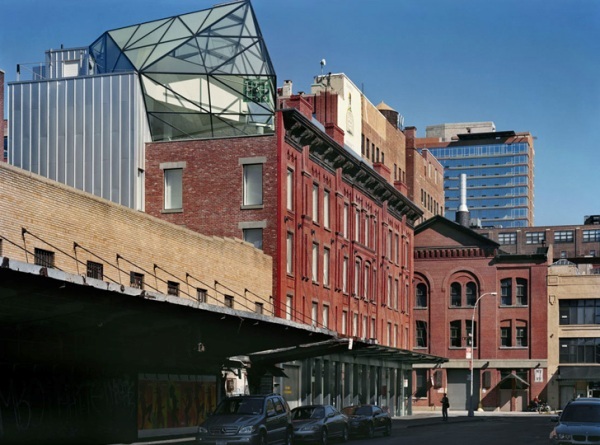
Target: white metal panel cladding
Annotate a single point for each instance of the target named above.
(85, 132)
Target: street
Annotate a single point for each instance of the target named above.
(488, 430)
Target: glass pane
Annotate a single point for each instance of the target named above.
(253, 184)
(173, 188)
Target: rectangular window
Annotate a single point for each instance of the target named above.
(95, 270)
(364, 331)
(506, 292)
(535, 237)
(290, 190)
(254, 237)
(326, 206)
(397, 248)
(388, 292)
(367, 243)
(455, 334)
(258, 308)
(345, 275)
(591, 236)
(563, 236)
(356, 277)
(507, 238)
(345, 221)
(228, 301)
(253, 185)
(44, 258)
(373, 331)
(579, 312)
(315, 262)
(315, 203)
(354, 324)
(521, 336)
(201, 295)
(314, 314)
(345, 322)
(288, 307)
(366, 280)
(173, 189)
(290, 253)
(389, 334)
(521, 292)
(173, 288)
(136, 280)
(396, 293)
(326, 316)
(579, 350)
(326, 257)
(357, 225)
(505, 339)
(421, 334)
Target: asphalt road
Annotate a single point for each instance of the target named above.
(488, 430)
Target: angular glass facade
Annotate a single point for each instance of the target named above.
(499, 181)
(203, 74)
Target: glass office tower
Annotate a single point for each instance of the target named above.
(499, 169)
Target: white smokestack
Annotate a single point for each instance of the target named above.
(462, 215)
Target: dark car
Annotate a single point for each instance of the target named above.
(248, 420)
(366, 420)
(578, 423)
(319, 423)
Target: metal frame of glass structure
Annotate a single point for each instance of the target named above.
(203, 74)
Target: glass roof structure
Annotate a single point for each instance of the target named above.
(203, 74)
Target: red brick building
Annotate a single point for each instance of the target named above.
(454, 268)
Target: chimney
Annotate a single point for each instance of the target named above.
(462, 215)
(286, 90)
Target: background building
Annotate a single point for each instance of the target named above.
(500, 171)
(507, 346)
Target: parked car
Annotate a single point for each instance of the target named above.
(578, 423)
(248, 419)
(366, 420)
(319, 423)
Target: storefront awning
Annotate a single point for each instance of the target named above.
(579, 373)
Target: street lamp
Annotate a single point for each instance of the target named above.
(473, 349)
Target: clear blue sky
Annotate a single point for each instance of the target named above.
(527, 65)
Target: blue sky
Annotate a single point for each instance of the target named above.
(527, 65)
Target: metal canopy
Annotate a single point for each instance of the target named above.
(515, 380)
(52, 318)
(345, 346)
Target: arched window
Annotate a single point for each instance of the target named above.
(471, 293)
(421, 295)
(455, 291)
(521, 293)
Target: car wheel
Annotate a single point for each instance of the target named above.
(289, 437)
(388, 430)
(324, 437)
(345, 434)
(370, 430)
(262, 440)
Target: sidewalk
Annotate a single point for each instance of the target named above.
(428, 418)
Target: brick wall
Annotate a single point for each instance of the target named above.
(56, 217)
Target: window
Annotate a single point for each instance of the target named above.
(372, 330)
(326, 257)
(455, 294)
(563, 236)
(507, 238)
(364, 326)
(366, 280)
(421, 334)
(396, 294)
(421, 295)
(325, 316)
(521, 336)
(535, 237)
(521, 294)
(505, 339)
(367, 231)
(315, 262)
(471, 293)
(357, 225)
(579, 350)
(254, 237)
(389, 334)
(395, 337)
(356, 277)
(345, 275)
(345, 221)
(95, 270)
(506, 289)
(591, 236)
(173, 288)
(314, 313)
(136, 280)
(455, 334)
(201, 295)
(397, 249)
(315, 203)
(228, 301)
(288, 307)
(388, 292)
(472, 333)
(290, 253)
(258, 308)
(344, 322)
(326, 205)
(580, 311)
(173, 189)
(44, 258)
(290, 190)
(253, 185)
(354, 324)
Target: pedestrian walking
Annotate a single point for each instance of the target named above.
(445, 406)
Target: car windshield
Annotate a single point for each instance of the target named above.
(581, 413)
(308, 412)
(240, 406)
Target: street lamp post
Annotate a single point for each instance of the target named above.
(471, 414)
